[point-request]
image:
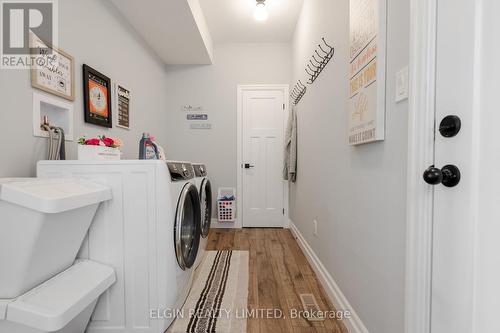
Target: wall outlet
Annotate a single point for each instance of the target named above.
(315, 224)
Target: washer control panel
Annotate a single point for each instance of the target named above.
(200, 170)
(180, 171)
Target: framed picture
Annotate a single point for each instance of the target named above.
(122, 104)
(97, 97)
(53, 72)
(367, 78)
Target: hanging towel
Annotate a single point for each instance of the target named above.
(290, 160)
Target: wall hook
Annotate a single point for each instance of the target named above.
(321, 48)
(319, 55)
(316, 60)
(314, 71)
(315, 67)
(324, 41)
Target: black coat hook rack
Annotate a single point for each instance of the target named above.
(298, 91)
(319, 60)
(322, 55)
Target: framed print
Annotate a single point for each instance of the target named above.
(97, 97)
(53, 71)
(122, 98)
(367, 81)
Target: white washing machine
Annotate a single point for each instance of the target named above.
(149, 233)
(205, 191)
(187, 226)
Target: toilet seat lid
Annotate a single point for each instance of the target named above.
(53, 304)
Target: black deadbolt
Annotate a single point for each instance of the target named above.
(449, 175)
(450, 126)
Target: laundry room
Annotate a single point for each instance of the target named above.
(234, 166)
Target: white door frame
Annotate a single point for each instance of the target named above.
(421, 121)
(239, 143)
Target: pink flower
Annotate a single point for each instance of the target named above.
(108, 142)
(92, 142)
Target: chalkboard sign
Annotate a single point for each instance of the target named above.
(123, 106)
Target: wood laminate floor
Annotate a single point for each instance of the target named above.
(279, 272)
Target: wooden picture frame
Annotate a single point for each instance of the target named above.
(97, 92)
(45, 76)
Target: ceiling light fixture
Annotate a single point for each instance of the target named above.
(260, 13)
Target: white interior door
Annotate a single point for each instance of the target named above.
(465, 262)
(263, 115)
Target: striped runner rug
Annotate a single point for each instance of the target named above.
(218, 299)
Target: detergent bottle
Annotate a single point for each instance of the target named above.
(147, 148)
(161, 152)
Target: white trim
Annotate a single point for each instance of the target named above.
(239, 144)
(340, 302)
(420, 156)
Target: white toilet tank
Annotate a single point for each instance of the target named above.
(42, 225)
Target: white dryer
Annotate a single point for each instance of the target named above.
(205, 192)
(149, 233)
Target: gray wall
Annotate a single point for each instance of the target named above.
(92, 32)
(357, 194)
(214, 88)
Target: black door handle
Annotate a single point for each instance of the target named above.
(449, 175)
(450, 126)
(248, 166)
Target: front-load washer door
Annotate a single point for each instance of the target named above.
(187, 228)
(206, 206)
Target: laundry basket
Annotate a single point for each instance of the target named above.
(226, 204)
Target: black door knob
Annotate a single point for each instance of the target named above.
(433, 176)
(248, 166)
(449, 175)
(450, 126)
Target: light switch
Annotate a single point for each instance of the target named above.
(402, 85)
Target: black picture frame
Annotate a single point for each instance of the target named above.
(99, 81)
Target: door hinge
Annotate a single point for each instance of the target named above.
(283, 106)
(283, 211)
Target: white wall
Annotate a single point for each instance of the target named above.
(214, 88)
(357, 194)
(92, 32)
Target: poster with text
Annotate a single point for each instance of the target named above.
(367, 71)
(123, 106)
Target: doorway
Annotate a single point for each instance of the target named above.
(452, 253)
(262, 194)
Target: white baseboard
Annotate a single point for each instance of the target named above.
(354, 324)
(224, 225)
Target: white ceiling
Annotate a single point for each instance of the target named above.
(175, 29)
(232, 20)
